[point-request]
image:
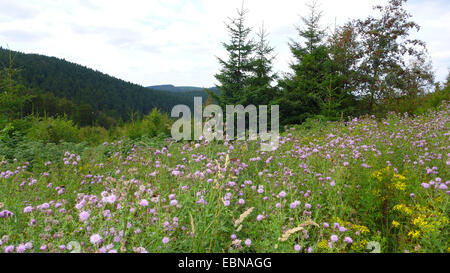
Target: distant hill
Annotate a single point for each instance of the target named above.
(84, 86)
(171, 88)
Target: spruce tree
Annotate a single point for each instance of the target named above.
(312, 32)
(261, 90)
(344, 56)
(13, 94)
(304, 90)
(236, 70)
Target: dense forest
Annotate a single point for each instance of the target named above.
(85, 95)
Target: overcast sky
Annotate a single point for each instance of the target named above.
(175, 41)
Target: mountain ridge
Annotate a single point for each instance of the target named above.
(172, 88)
(85, 86)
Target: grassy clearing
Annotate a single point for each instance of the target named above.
(336, 187)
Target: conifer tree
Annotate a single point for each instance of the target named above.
(344, 56)
(261, 90)
(306, 87)
(236, 70)
(13, 94)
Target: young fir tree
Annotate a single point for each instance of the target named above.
(313, 33)
(260, 90)
(305, 89)
(13, 95)
(384, 73)
(344, 55)
(236, 70)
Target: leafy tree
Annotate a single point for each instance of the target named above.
(384, 73)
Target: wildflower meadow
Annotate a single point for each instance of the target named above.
(362, 185)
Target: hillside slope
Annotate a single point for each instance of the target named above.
(82, 85)
(180, 89)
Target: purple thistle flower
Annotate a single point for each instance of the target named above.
(96, 239)
(29, 245)
(21, 248)
(6, 214)
(342, 229)
(334, 238)
(348, 240)
(9, 249)
(84, 215)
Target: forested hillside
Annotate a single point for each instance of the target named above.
(172, 88)
(90, 90)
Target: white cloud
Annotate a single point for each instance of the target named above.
(176, 41)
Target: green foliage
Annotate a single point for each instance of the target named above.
(93, 135)
(13, 95)
(352, 174)
(364, 67)
(53, 130)
(260, 90)
(82, 86)
(314, 86)
(235, 71)
(391, 65)
(422, 103)
(153, 125)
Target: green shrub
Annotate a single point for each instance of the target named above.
(156, 123)
(153, 125)
(53, 130)
(93, 135)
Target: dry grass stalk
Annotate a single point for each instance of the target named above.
(243, 216)
(289, 232)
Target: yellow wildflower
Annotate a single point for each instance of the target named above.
(323, 244)
(420, 221)
(395, 223)
(414, 234)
